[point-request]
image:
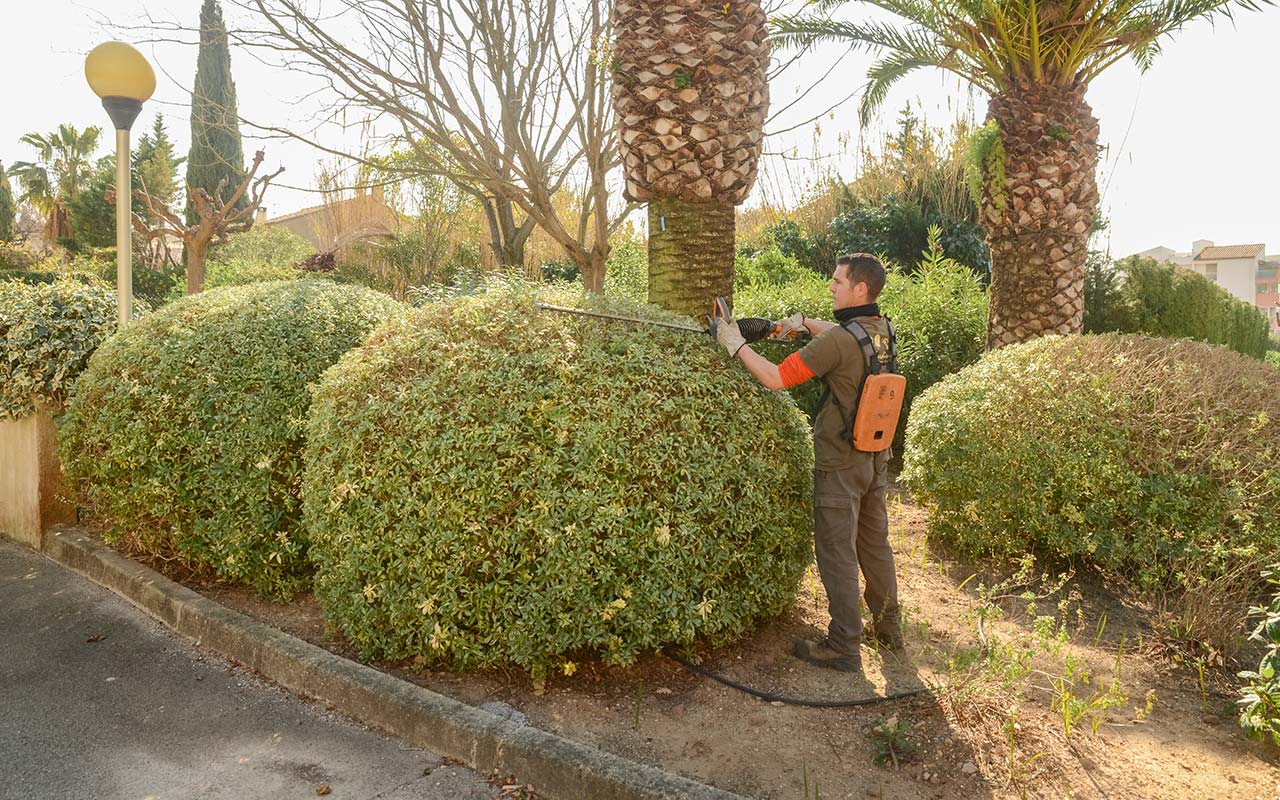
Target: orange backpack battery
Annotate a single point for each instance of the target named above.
(874, 420)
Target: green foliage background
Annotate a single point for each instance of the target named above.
(1141, 295)
(262, 253)
(485, 484)
(186, 429)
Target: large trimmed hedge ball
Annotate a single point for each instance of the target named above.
(186, 429)
(1156, 459)
(486, 484)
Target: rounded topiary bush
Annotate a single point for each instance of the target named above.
(1156, 459)
(47, 333)
(186, 430)
(485, 484)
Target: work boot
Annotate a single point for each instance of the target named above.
(822, 654)
(885, 634)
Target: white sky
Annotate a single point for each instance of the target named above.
(1191, 146)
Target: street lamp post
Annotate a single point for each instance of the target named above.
(121, 76)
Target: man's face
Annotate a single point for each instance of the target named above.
(845, 294)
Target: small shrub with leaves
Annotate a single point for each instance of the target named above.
(1154, 459)
(627, 270)
(1273, 358)
(1260, 698)
(262, 253)
(485, 485)
(186, 429)
(48, 331)
(13, 257)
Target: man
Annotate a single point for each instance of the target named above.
(851, 523)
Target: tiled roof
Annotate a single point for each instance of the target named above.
(1231, 251)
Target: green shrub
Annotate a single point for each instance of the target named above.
(1260, 698)
(47, 333)
(627, 270)
(1154, 459)
(186, 429)
(13, 257)
(32, 277)
(155, 286)
(1164, 300)
(262, 253)
(1273, 358)
(485, 484)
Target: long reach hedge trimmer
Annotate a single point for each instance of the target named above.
(754, 329)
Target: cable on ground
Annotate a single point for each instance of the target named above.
(792, 701)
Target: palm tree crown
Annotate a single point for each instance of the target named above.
(997, 44)
(63, 165)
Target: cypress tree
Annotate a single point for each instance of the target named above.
(7, 210)
(216, 152)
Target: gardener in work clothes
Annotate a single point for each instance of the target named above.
(850, 521)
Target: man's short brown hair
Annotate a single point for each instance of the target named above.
(864, 268)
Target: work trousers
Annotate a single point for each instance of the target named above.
(851, 530)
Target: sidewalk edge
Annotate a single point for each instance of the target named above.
(555, 766)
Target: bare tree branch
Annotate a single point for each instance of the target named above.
(217, 219)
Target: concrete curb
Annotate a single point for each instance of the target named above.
(556, 767)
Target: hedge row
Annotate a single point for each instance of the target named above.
(1144, 296)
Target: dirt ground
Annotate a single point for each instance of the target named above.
(991, 726)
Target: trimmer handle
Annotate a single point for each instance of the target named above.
(753, 329)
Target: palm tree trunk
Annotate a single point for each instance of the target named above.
(1038, 222)
(690, 254)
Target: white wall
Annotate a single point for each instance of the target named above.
(1238, 276)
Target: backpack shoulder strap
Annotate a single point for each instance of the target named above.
(893, 347)
(868, 348)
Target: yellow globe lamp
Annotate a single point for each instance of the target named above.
(121, 76)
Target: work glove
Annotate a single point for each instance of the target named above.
(729, 337)
(791, 326)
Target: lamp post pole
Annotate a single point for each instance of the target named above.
(124, 241)
(121, 76)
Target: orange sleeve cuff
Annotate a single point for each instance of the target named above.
(793, 371)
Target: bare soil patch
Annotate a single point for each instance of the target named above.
(992, 725)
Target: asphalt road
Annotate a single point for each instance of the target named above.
(99, 701)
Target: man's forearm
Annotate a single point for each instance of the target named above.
(762, 368)
(817, 326)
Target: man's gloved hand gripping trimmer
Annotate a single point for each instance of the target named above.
(754, 329)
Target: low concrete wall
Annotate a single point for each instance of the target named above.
(32, 493)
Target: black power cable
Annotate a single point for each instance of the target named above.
(792, 701)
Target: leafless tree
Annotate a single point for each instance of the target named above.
(217, 218)
(507, 99)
